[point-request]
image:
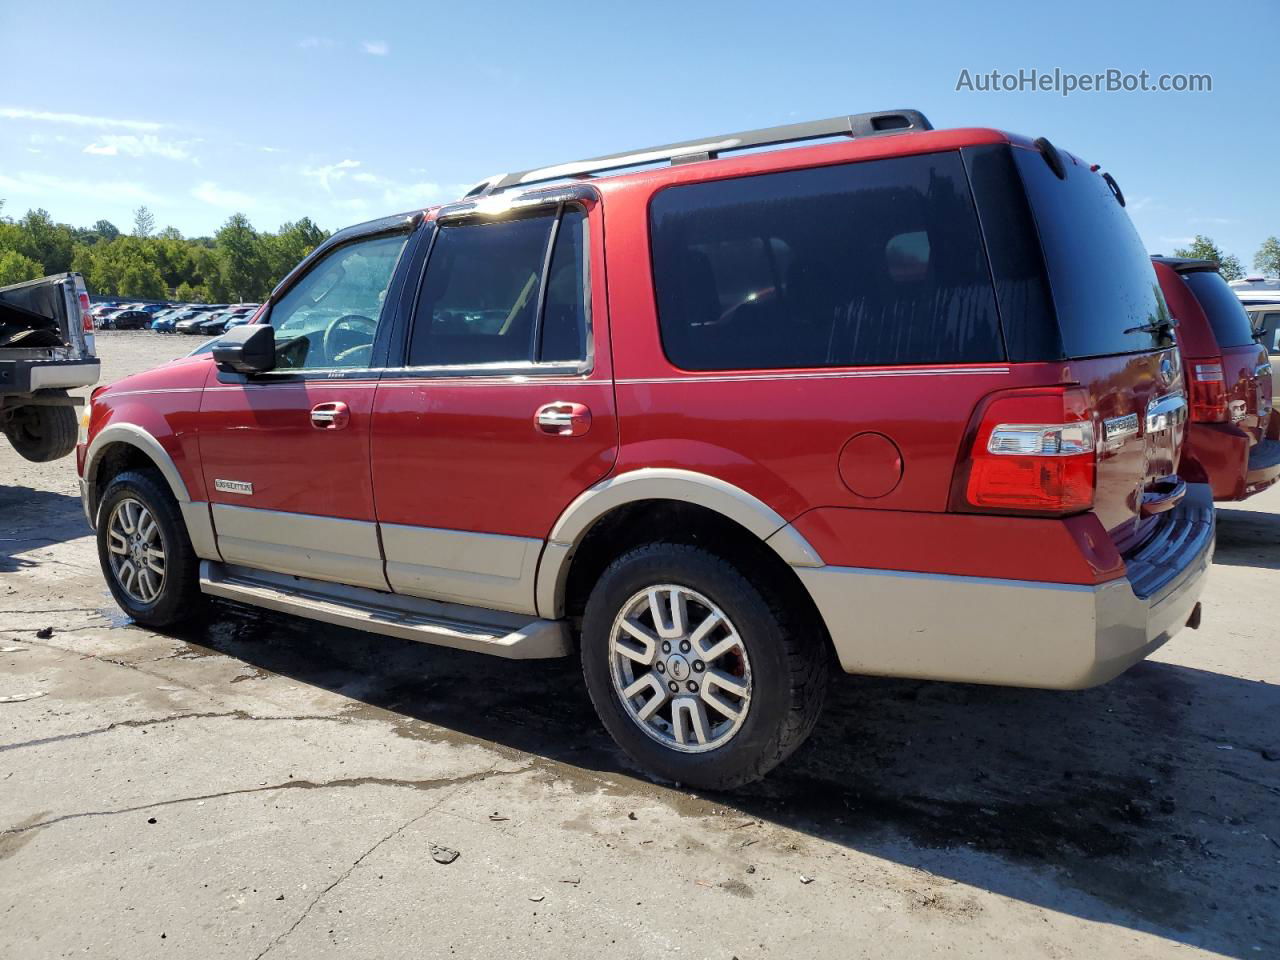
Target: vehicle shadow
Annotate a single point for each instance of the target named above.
(33, 518)
(1248, 538)
(1148, 803)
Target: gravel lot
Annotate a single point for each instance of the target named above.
(260, 785)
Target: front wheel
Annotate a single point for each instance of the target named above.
(699, 675)
(145, 552)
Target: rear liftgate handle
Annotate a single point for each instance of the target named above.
(562, 419)
(330, 416)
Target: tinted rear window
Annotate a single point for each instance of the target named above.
(879, 262)
(1100, 273)
(1227, 315)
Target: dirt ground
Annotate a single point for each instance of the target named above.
(257, 785)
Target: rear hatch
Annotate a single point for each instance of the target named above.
(1246, 373)
(1116, 338)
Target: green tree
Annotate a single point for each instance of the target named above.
(290, 244)
(144, 222)
(46, 242)
(189, 293)
(106, 229)
(1203, 248)
(241, 257)
(15, 268)
(1267, 259)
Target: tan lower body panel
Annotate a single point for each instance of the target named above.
(303, 545)
(487, 570)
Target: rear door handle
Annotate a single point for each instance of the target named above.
(330, 416)
(562, 419)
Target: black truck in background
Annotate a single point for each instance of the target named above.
(46, 349)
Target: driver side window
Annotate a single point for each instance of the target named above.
(329, 318)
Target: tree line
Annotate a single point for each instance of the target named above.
(238, 263)
(1266, 261)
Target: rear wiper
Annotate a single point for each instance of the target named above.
(1155, 326)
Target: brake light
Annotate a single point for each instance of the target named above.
(1208, 391)
(86, 318)
(1034, 451)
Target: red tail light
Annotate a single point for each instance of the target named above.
(86, 318)
(1208, 390)
(1034, 452)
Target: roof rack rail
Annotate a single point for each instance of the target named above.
(708, 148)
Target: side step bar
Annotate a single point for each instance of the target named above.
(511, 635)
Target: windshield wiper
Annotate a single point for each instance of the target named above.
(1155, 326)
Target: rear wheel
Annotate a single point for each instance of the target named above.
(698, 674)
(145, 552)
(42, 433)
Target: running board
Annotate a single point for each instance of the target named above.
(512, 635)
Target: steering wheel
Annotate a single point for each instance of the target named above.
(350, 323)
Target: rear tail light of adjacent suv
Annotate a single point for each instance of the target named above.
(1208, 390)
(1034, 451)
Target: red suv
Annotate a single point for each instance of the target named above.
(1228, 379)
(906, 401)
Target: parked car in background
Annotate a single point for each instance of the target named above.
(908, 401)
(191, 325)
(1252, 290)
(243, 317)
(1265, 320)
(127, 320)
(1228, 379)
(166, 322)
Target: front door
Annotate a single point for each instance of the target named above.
(503, 411)
(285, 454)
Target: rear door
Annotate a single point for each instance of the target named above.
(1116, 336)
(503, 410)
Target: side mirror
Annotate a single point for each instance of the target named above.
(246, 349)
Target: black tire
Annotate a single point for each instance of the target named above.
(42, 433)
(788, 655)
(179, 597)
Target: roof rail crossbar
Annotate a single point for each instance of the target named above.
(708, 148)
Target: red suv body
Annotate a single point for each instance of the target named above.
(1229, 382)
(907, 402)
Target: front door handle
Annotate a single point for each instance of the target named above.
(330, 416)
(562, 419)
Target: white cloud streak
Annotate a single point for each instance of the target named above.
(375, 48)
(115, 144)
(78, 119)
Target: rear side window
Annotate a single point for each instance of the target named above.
(1100, 274)
(485, 298)
(879, 262)
(1227, 315)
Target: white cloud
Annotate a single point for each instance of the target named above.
(210, 193)
(1216, 221)
(104, 191)
(315, 43)
(114, 144)
(329, 174)
(1179, 240)
(375, 48)
(366, 178)
(408, 195)
(78, 119)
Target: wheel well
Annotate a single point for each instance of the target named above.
(115, 459)
(673, 521)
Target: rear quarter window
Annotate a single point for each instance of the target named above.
(1227, 315)
(1100, 274)
(872, 263)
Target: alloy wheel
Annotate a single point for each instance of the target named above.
(136, 550)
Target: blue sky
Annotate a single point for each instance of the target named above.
(346, 111)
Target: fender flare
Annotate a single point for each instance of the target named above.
(134, 436)
(660, 483)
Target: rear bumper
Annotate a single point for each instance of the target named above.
(1264, 466)
(1014, 632)
(28, 376)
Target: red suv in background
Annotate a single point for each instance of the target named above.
(907, 401)
(1228, 379)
